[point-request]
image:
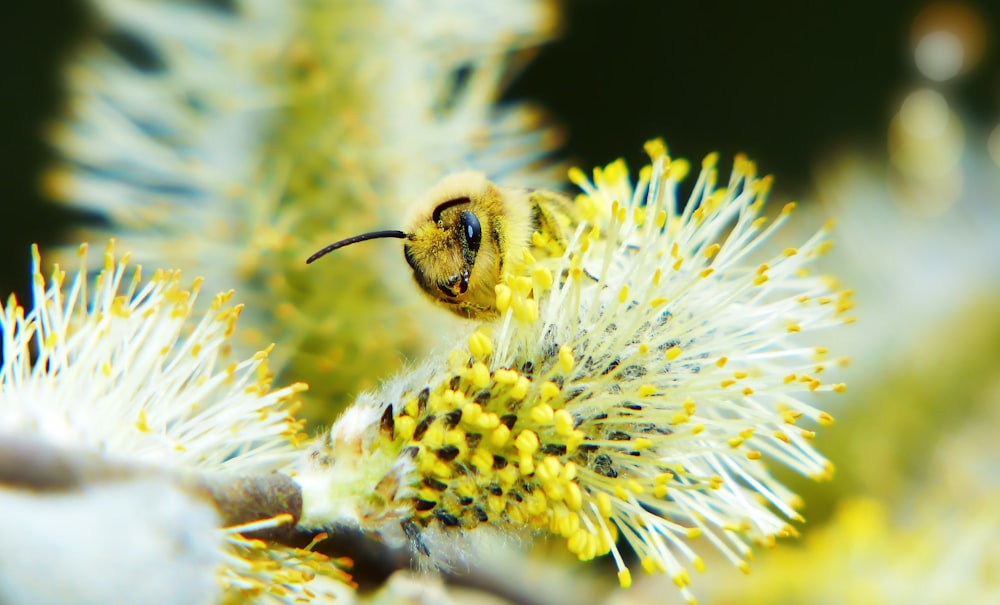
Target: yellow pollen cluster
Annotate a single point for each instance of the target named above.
(482, 454)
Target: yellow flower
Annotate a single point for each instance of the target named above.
(634, 396)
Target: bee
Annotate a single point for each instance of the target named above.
(466, 231)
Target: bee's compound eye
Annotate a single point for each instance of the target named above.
(471, 230)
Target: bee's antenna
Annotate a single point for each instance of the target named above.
(354, 240)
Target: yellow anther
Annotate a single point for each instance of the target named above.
(681, 579)
(141, 421)
(482, 459)
(625, 578)
(604, 504)
(499, 436)
(515, 514)
(655, 149)
(642, 443)
(569, 471)
(508, 475)
(520, 389)
(456, 437)
(563, 421)
(526, 465)
(503, 297)
(487, 421)
(471, 413)
(526, 442)
(520, 285)
(552, 466)
(542, 278)
(542, 414)
(505, 377)
(679, 169)
(566, 359)
(433, 436)
(496, 504)
(442, 470)
(526, 309)
(550, 391)
(673, 353)
(480, 345)
(479, 375)
(646, 390)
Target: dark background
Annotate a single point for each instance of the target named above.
(785, 82)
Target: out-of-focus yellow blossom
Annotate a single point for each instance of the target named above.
(927, 288)
(936, 544)
(632, 389)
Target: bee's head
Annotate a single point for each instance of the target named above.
(442, 250)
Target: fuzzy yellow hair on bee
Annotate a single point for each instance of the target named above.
(464, 233)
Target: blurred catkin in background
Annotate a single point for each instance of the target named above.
(232, 141)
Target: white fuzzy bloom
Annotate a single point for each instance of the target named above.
(120, 368)
(633, 387)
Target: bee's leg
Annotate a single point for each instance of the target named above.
(473, 311)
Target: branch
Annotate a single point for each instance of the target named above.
(32, 463)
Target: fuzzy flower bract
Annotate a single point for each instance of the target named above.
(632, 389)
(118, 368)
